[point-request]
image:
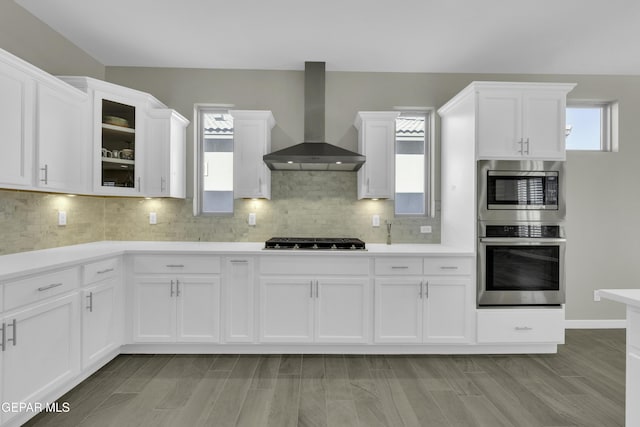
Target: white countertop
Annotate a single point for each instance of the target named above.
(31, 262)
(625, 296)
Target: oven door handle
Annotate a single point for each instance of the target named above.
(522, 240)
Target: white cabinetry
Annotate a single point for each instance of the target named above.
(176, 299)
(62, 137)
(251, 141)
(376, 141)
(102, 311)
(414, 308)
(239, 285)
(522, 325)
(165, 164)
(633, 366)
(316, 306)
(41, 337)
(16, 121)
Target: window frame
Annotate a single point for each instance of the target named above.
(429, 136)
(198, 157)
(608, 123)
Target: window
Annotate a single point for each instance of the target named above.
(214, 167)
(591, 126)
(412, 163)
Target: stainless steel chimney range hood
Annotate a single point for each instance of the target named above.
(314, 154)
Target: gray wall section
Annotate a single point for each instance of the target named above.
(27, 37)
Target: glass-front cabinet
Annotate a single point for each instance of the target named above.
(118, 145)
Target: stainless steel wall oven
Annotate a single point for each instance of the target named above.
(521, 264)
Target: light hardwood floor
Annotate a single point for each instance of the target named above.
(582, 385)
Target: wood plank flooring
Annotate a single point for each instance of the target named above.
(582, 385)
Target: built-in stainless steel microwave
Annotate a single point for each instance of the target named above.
(521, 190)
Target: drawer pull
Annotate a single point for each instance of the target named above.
(46, 288)
(15, 329)
(448, 267)
(399, 267)
(108, 270)
(239, 261)
(523, 328)
(175, 265)
(2, 343)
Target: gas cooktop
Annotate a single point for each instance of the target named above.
(315, 243)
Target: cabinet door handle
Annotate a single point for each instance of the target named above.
(45, 169)
(162, 180)
(310, 288)
(90, 306)
(317, 289)
(426, 289)
(14, 325)
(527, 142)
(521, 151)
(523, 328)
(175, 266)
(139, 186)
(177, 288)
(171, 294)
(259, 185)
(45, 288)
(448, 267)
(368, 189)
(3, 342)
(108, 270)
(239, 261)
(420, 292)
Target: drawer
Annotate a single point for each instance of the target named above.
(176, 264)
(100, 270)
(36, 288)
(316, 265)
(398, 266)
(506, 326)
(448, 266)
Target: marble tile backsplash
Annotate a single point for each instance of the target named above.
(302, 204)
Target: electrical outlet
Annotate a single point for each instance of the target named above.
(252, 218)
(153, 218)
(62, 218)
(425, 229)
(375, 221)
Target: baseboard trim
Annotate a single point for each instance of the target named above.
(596, 324)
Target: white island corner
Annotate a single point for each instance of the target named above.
(631, 298)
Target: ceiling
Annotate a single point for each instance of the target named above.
(451, 36)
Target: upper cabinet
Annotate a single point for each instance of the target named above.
(118, 145)
(165, 163)
(521, 120)
(251, 141)
(376, 141)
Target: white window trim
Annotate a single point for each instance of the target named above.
(198, 173)
(608, 125)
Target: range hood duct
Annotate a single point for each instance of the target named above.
(314, 153)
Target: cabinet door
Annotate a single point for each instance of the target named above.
(16, 122)
(286, 309)
(398, 310)
(239, 301)
(154, 311)
(251, 141)
(447, 311)
(62, 139)
(544, 125)
(632, 416)
(101, 321)
(198, 309)
(377, 142)
(44, 351)
(157, 159)
(342, 310)
(499, 124)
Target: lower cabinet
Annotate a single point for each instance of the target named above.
(101, 321)
(423, 310)
(239, 284)
(307, 309)
(177, 309)
(41, 350)
(528, 325)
